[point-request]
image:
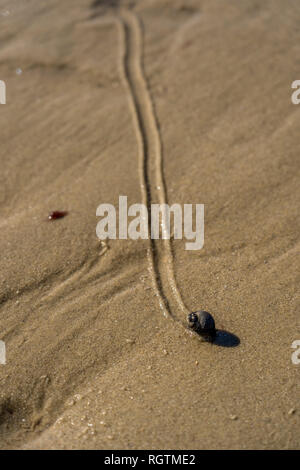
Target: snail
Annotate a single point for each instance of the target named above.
(203, 324)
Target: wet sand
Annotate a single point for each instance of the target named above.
(197, 94)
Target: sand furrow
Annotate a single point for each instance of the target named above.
(153, 188)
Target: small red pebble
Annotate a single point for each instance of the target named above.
(57, 215)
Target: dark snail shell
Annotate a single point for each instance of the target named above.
(202, 323)
(206, 320)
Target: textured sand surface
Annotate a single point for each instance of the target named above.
(199, 91)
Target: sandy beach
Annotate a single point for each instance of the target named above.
(175, 101)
